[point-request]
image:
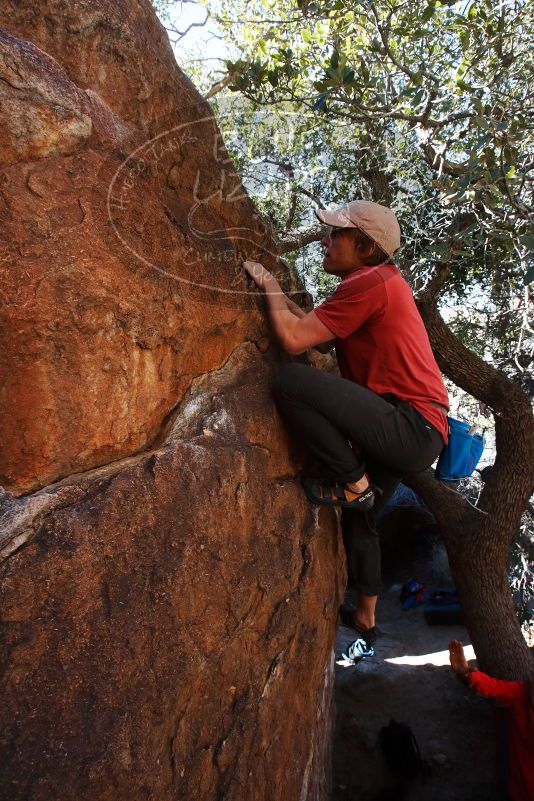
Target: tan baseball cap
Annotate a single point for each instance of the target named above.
(377, 221)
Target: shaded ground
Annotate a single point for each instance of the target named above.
(410, 680)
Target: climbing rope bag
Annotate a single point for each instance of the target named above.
(401, 751)
(462, 453)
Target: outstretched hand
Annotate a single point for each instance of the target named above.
(457, 657)
(258, 273)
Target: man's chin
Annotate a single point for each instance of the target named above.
(329, 268)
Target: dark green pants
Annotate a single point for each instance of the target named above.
(353, 431)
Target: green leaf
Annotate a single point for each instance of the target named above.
(481, 122)
(439, 249)
(529, 276)
(418, 96)
(320, 103)
(428, 13)
(334, 60)
(464, 85)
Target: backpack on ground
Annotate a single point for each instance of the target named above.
(401, 751)
(444, 608)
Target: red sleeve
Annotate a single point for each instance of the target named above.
(504, 691)
(358, 298)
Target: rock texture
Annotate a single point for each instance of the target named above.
(43, 112)
(168, 598)
(120, 251)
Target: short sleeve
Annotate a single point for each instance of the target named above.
(357, 299)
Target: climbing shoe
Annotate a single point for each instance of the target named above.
(358, 650)
(338, 494)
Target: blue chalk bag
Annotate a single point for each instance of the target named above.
(461, 455)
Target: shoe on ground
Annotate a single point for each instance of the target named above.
(357, 650)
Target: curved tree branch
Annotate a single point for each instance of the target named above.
(178, 35)
(514, 424)
(294, 240)
(441, 164)
(218, 87)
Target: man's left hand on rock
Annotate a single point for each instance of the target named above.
(258, 273)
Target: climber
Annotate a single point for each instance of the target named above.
(518, 698)
(385, 416)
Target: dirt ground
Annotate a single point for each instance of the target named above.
(409, 680)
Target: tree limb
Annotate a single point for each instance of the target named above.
(439, 163)
(218, 87)
(294, 240)
(429, 294)
(464, 367)
(180, 34)
(452, 511)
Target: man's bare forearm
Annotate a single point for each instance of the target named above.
(326, 347)
(276, 298)
(295, 309)
(283, 320)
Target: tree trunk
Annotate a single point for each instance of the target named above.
(477, 545)
(478, 539)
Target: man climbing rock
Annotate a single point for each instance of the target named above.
(385, 416)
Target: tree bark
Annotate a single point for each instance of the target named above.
(478, 539)
(294, 240)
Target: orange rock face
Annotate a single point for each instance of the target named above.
(167, 623)
(168, 598)
(121, 251)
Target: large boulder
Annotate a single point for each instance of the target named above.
(118, 50)
(167, 620)
(120, 256)
(168, 597)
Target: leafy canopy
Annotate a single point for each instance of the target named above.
(457, 78)
(425, 106)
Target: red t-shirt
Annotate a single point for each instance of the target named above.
(515, 695)
(381, 341)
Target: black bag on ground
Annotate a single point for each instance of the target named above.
(443, 608)
(401, 751)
